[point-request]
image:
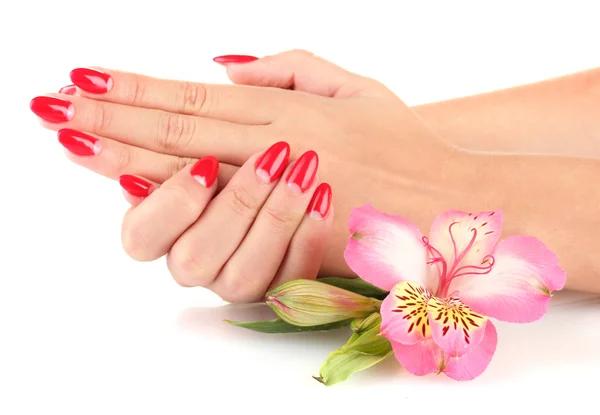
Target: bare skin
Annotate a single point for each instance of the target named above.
(558, 116)
(373, 148)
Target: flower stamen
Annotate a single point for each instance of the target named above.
(436, 257)
(489, 261)
(460, 257)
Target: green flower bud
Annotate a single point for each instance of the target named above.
(365, 348)
(310, 303)
(361, 325)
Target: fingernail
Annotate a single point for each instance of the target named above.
(92, 80)
(270, 166)
(79, 143)
(320, 202)
(303, 173)
(205, 171)
(51, 109)
(135, 186)
(226, 60)
(68, 90)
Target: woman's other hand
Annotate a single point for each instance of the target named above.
(269, 224)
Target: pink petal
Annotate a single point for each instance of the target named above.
(519, 286)
(386, 249)
(404, 314)
(461, 227)
(454, 327)
(474, 363)
(420, 358)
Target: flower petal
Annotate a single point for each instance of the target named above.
(454, 327)
(404, 314)
(518, 288)
(420, 358)
(386, 249)
(476, 361)
(452, 232)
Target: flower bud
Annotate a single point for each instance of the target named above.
(311, 303)
(361, 325)
(364, 349)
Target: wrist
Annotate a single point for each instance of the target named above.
(554, 199)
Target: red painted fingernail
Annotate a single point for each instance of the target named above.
(79, 143)
(270, 166)
(51, 109)
(234, 59)
(135, 186)
(320, 202)
(68, 90)
(205, 171)
(303, 173)
(92, 80)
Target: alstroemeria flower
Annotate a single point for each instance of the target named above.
(443, 289)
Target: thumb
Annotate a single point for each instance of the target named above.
(302, 71)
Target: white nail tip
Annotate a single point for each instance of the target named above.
(201, 180)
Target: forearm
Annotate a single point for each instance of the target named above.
(557, 116)
(556, 199)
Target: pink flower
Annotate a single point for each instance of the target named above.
(444, 288)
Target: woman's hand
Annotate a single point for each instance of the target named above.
(134, 137)
(259, 231)
(373, 148)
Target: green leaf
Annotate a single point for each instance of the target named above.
(280, 326)
(356, 285)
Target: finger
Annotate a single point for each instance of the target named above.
(200, 253)
(112, 159)
(159, 131)
(151, 229)
(303, 71)
(307, 248)
(250, 270)
(222, 102)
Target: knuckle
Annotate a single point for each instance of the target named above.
(300, 53)
(192, 98)
(237, 289)
(102, 118)
(243, 203)
(178, 163)
(137, 91)
(279, 221)
(134, 242)
(175, 132)
(124, 159)
(187, 269)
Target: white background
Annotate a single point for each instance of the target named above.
(85, 330)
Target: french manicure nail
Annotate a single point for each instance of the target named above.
(51, 109)
(271, 164)
(320, 202)
(205, 171)
(303, 172)
(79, 143)
(234, 59)
(92, 80)
(68, 90)
(135, 186)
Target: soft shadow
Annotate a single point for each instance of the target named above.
(567, 335)
(211, 319)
